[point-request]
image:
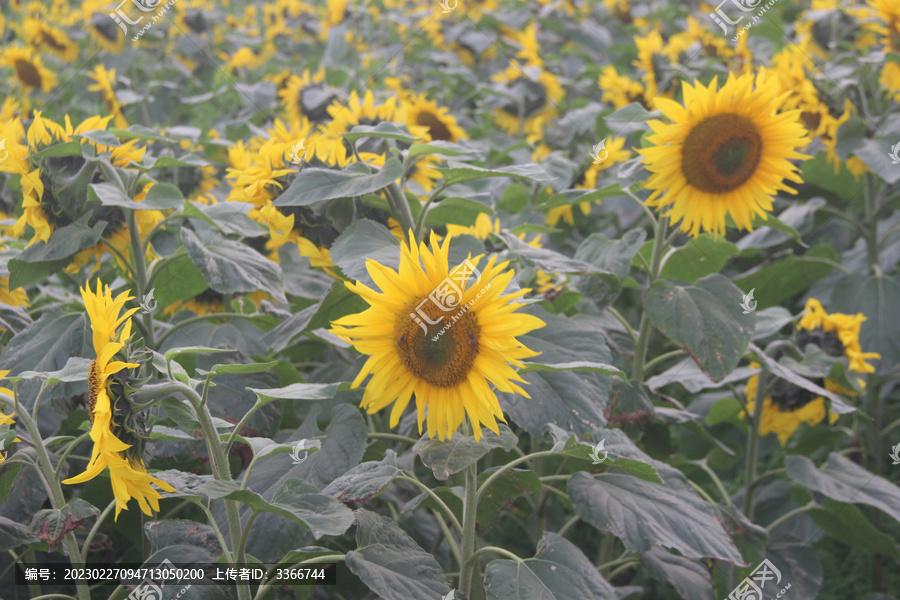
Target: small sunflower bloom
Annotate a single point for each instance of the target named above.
(432, 334)
(128, 475)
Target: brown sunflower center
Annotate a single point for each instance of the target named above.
(47, 38)
(93, 388)
(828, 341)
(437, 346)
(790, 397)
(436, 127)
(28, 73)
(721, 153)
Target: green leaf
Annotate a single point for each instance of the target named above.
(295, 500)
(704, 319)
(362, 241)
(72, 148)
(633, 113)
(837, 404)
(843, 480)
(702, 256)
(876, 155)
(548, 260)
(227, 217)
(781, 280)
(578, 365)
(99, 136)
(390, 562)
(558, 571)
(365, 481)
(459, 211)
(176, 281)
(458, 172)
(819, 172)
(139, 132)
(315, 185)
(231, 267)
(612, 257)
(577, 196)
(438, 147)
(690, 578)
(52, 524)
(297, 391)
(849, 525)
(173, 352)
(76, 369)
(13, 535)
(240, 368)
(688, 374)
(572, 400)
(877, 298)
(188, 160)
(262, 446)
(515, 198)
(168, 196)
(42, 259)
(643, 514)
(384, 129)
(457, 453)
(773, 230)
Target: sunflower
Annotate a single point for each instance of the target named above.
(104, 30)
(104, 81)
(540, 92)
(837, 335)
(449, 366)
(14, 297)
(307, 96)
(4, 418)
(726, 152)
(282, 231)
(29, 69)
(620, 90)
(787, 408)
(889, 11)
(440, 123)
(127, 472)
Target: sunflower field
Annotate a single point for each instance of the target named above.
(450, 300)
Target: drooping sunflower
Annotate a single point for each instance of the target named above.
(540, 92)
(431, 333)
(726, 152)
(127, 472)
(788, 406)
(29, 69)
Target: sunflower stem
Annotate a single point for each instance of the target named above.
(753, 450)
(54, 491)
(468, 537)
(644, 331)
(420, 222)
(140, 272)
(400, 208)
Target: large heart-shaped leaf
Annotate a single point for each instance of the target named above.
(690, 578)
(644, 514)
(365, 481)
(315, 185)
(457, 453)
(704, 319)
(558, 571)
(390, 562)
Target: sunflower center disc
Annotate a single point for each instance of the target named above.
(444, 355)
(721, 153)
(435, 126)
(27, 73)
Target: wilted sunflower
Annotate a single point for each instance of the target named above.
(727, 151)
(788, 406)
(432, 333)
(127, 472)
(29, 69)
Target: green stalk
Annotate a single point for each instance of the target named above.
(644, 331)
(468, 538)
(140, 272)
(57, 499)
(753, 450)
(400, 208)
